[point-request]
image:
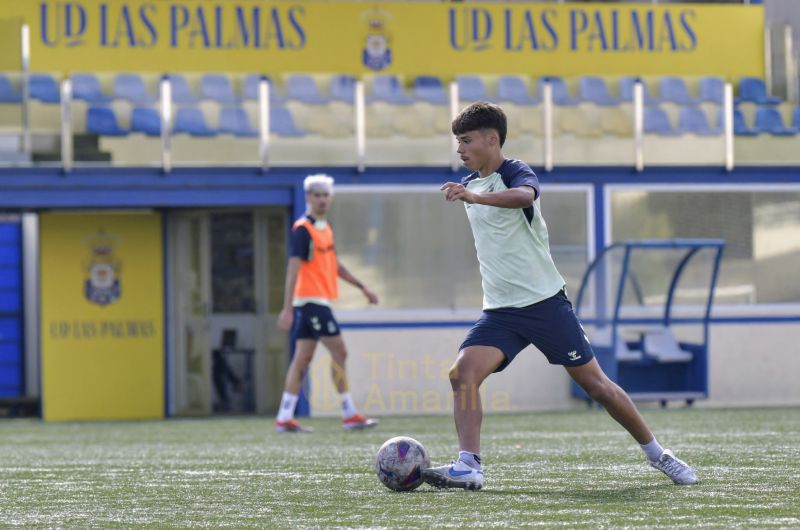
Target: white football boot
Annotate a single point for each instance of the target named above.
(456, 475)
(679, 471)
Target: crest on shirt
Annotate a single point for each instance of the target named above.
(377, 52)
(102, 269)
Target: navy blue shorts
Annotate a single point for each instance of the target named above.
(550, 325)
(312, 321)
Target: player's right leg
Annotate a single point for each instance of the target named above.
(473, 365)
(303, 353)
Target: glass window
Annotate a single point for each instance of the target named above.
(232, 263)
(760, 227)
(416, 250)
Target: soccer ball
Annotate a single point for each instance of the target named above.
(399, 463)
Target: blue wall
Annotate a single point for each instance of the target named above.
(11, 321)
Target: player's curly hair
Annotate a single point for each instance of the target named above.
(481, 115)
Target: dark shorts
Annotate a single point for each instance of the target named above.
(550, 325)
(312, 321)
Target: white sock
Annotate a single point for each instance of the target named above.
(288, 403)
(653, 450)
(348, 407)
(473, 460)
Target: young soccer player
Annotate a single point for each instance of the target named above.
(524, 301)
(311, 285)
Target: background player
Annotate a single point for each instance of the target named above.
(311, 285)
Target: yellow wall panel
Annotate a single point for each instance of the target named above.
(102, 316)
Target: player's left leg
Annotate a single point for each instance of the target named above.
(591, 378)
(351, 419)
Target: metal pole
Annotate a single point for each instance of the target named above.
(727, 109)
(263, 123)
(361, 127)
(547, 117)
(638, 125)
(66, 125)
(166, 124)
(455, 160)
(791, 72)
(768, 57)
(25, 37)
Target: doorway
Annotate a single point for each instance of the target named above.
(227, 270)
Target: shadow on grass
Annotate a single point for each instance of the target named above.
(597, 495)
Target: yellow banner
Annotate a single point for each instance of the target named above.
(413, 38)
(102, 316)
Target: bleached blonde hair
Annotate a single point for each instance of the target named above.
(318, 181)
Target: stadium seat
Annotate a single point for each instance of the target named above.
(102, 121)
(429, 88)
(626, 90)
(181, 92)
(515, 90)
(7, 92)
(712, 90)
(303, 88)
(740, 127)
(233, 120)
(753, 89)
(343, 88)
(471, 88)
(217, 87)
(146, 120)
(132, 88)
(44, 88)
(560, 93)
(282, 123)
(674, 90)
(190, 120)
(768, 120)
(86, 87)
(388, 88)
(251, 82)
(593, 89)
(692, 120)
(656, 121)
(796, 118)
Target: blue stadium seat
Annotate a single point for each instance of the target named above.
(251, 82)
(146, 120)
(768, 120)
(303, 88)
(740, 127)
(234, 120)
(343, 88)
(217, 87)
(86, 87)
(132, 88)
(674, 89)
(626, 90)
(282, 123)
(7, 93)
(796, 118)
(102, 121)
(693, 120)
(656, 121)
(388, 88)
(560, 93)
(753, 89)
(429, 88)
(190, 120)
(471, 88)
(44, 88)
(594, 90)
(181, 91)
(712, 90)
(512, 88)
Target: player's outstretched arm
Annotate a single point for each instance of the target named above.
(345, 274)
(286, 315)
(521, 197)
